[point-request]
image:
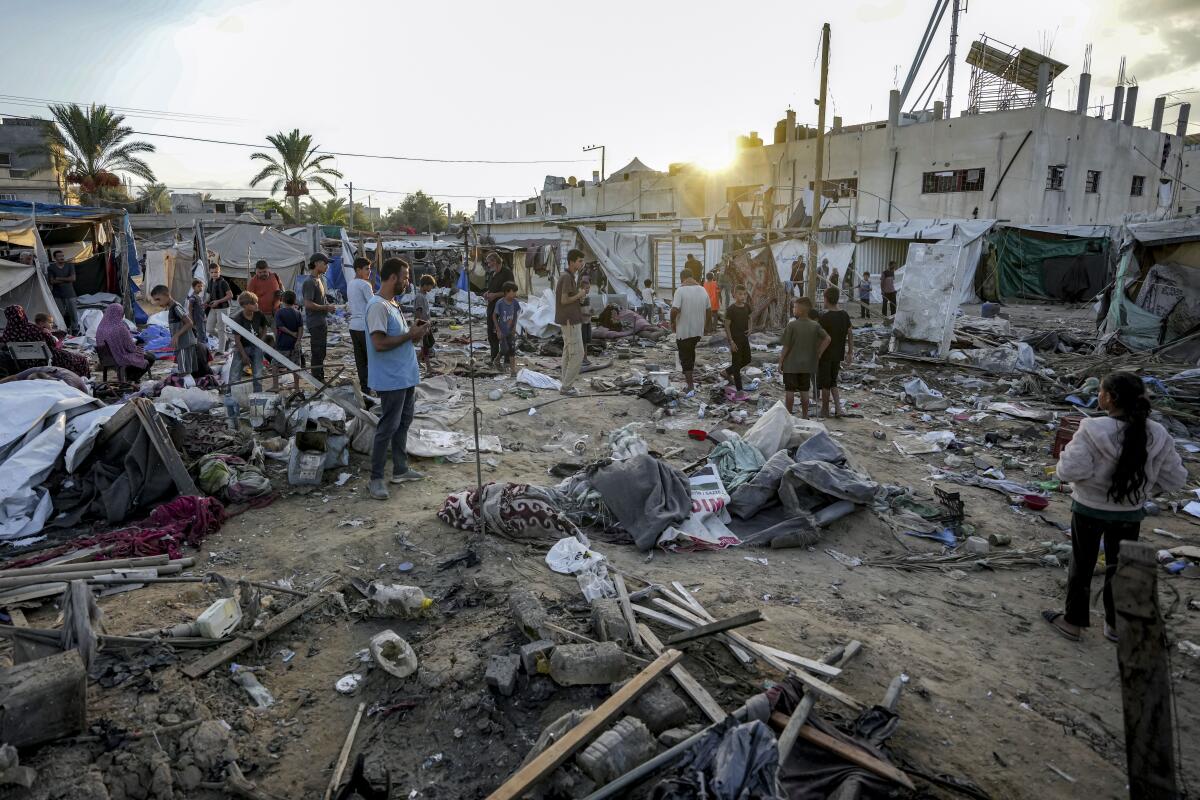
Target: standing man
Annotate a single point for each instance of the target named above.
(316, 312)
(264, 284)
(568, 315)
(358, 295)
(498, 275)
(217, 298)
(798, 273)
(393, 374)
(887, 285)
(695, 267)
(61, 277)
(689, 310)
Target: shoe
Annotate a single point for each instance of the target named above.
(377, 489)
(408, 476)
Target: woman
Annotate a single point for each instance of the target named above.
(20, 329)
(114, 334)
(1114, 463)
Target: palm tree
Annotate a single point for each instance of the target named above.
(88, 146)
(331, 212)
(155, 197)
(292, 165)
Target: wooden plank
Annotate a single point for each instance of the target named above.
(18, 618)
(691, 687)
(114, 424)
(94, 566)
(554, 755)
(164, 446)
(344, 756)
(787, 739)
(244, 640)
(38, 591)
(683, 625)
(627, 610)
(855, 755)
(692, 620)
(720, 626)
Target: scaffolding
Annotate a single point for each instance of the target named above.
(1004, 77)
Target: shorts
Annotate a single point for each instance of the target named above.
(427, 343)
(797, 381)
(687, 352)
(828, 370)
(508, 346)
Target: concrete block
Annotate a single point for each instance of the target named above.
(535, 655)
(673, 736)
(502, 672)
(977, 545)
(530, 615)
(581, 664)
(618, 750)
(43, 700)
(608, 622)
(658, 707)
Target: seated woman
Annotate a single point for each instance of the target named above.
(617, 323)
(19, 329)
(114, 335)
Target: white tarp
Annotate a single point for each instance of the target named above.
(927, 304)
(839, 255)
(26, 286)
(537, 315)
(965, 233)
(624, 257)
(241, 243)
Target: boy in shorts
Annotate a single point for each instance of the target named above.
(288, 336)
(804, 340)
(508, 308)
(836, 323)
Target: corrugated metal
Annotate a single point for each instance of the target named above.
(872, 254)
(664, 269)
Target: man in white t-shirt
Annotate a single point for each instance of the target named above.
(358, 294)
(689, 308)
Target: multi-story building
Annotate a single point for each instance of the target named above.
(24, 177)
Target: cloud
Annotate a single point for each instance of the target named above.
(1176, 26)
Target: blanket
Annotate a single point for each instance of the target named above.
(513, 510)
(646, 495)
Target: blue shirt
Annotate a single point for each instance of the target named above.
(389, 370)
(289, 318)
(506, 316)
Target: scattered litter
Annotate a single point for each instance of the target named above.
(762, 561)
(348, 684)
(342, 478)
(538, 380)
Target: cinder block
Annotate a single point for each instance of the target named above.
(534, 653)
(502, 672)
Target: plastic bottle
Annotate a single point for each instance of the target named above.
(395, 600)
(261, 696)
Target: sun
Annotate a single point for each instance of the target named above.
(718, 158)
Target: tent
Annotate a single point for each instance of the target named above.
(966, 234)
(624, 257)
(242, 242)
(25, 285)
(1069, 263)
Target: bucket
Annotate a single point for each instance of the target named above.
(661, 378)
(1066, 432)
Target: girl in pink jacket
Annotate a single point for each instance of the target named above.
(1115, 464)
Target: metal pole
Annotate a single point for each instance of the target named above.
(954, 11)
(815, 211)
(351, 205)
(475, 412)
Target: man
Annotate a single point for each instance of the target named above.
(498, 275)
(264, 285)
(393, 374)
(695, 267)
(798, 276)
(217, 298)
(887, 285)
(61, 277)
(689, 310)
(358, 295)
(26, 258)
(568, 315)
(316, 312)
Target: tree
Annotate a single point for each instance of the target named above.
(418, 211)
(155, 198)
(274, 206)
(89, 146)
(293, 164)
(332, 212)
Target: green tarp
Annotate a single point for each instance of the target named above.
(1138, 328)
(1019, 257)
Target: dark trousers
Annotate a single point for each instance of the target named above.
(889, 298)
(864, 309)
(396, 414)
(586, 329)
(741, 359)
(359, 340)
(493, 340)
(317, 343)
(1086, 535)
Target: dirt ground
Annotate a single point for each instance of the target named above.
(993, 696)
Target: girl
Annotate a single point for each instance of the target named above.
(1114, 463)
(183, 334)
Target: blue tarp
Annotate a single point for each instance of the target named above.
(25, 208)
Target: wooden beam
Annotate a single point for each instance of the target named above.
(347, 746)
(855, 755)
(627, 611)
(721, 625)
(787, 739)
(164, 446)
(92, 566)
(554, 755)
(686, 623)
(700, 696)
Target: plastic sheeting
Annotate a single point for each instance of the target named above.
(1136, 327)
(241, 243)
(624, 257)
(25, 285)
(1044, 264)
(967, 234)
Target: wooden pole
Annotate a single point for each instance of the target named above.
(1145, 675)
(818, 183)
(347, 746)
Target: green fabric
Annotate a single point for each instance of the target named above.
(736, 462)
(1135, 515)
(1138, 328)
(1019, 255)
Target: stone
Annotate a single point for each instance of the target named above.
(502, 672)
(18, 776)
(167, 720)
(673, 736)
(581, 664)
(616, 751)
(535, 656)
(608, 622)
(658, 707)
(529, 614)
(189, 777)
(977, 545)
(210, 745)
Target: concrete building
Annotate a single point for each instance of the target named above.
(1189, 190)
(25, 177)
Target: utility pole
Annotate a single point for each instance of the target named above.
(954, 11)
(351, 205)
(818, 184)
(599, 147)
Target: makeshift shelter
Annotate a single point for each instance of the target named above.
(881, 242)
(1069, 263)
(25, 285)
(168, 268)
(88, 237)
(756, 269)
(242, 242)
(624, 257)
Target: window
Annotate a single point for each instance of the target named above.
(219, 208)
(558, 209)
(531, 209)
(18, 173)
(1055, 175)
(953, 180)
(1092, 184)
(14, 197)
(5, 159)
(838, 188)
(1139, 186)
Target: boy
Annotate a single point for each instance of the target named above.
(737, 331)
(245, 352)
(195, 304)
(288, 323)
(803, 343)
(714, 301)
(507, 311)
(647, 301)
(864, 296)
(421, 302)
(183, 336)
(836, 323)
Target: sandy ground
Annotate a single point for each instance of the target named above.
(993, 695)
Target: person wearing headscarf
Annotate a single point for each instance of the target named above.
(18, 328)
(114, 335)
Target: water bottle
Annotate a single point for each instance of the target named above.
(261, 696)
(394, 600)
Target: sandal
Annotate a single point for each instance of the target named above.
(1110, 634)
(1052, 618)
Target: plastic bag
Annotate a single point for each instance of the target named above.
(772, 432)
(571, 556)
(923, 397)
(761, 491)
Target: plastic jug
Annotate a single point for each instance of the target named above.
(395, 600)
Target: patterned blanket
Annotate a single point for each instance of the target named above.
(513, 510)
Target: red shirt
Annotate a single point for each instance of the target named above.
(713, 294)
(265, 289)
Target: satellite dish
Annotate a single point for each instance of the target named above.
(571, 181)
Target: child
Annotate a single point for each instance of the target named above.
(195, 304)
(246, 352)
(507, 310)
(183, 335)
(45, 322)
(714, 301)
(737, 330)
(421, 302)
(836, 323)
(648, 301)
(288, 323)
(864, 296)
(803, 343)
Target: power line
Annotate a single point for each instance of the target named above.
(50, 182)
(147, 113)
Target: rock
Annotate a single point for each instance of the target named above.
(673, 736)
(502, 672)
(608, 622)
(18, 776)
(616, 751)
(167, 720)
(189, 777)
(529, 614)
(210, 745)
(658, 707)
(579, 664)
(977, 545)
(535, 656)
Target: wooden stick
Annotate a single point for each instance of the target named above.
(721, 625)
(627, 611)
(560, 751)
(853, 754)
(787, 739)
(684, 625)
(163, 445)
(700, 696)
(145, 561)
(344, 757)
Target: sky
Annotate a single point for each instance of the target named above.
(527, 80)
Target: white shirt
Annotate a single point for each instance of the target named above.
(693, 304)
(358, 293)
(647, 295)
